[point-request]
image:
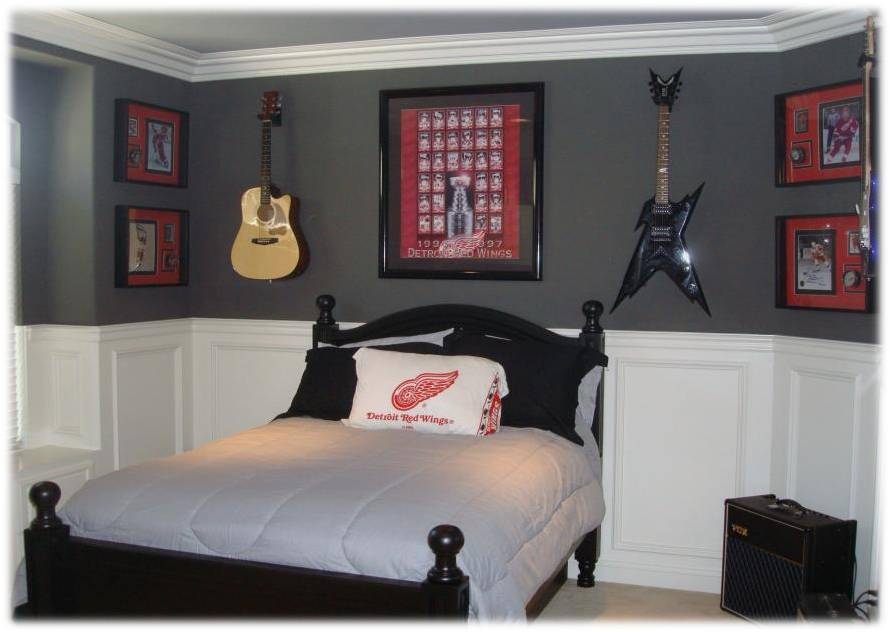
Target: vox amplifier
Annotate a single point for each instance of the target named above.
(776, 551)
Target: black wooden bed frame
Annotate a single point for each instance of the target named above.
(79, 577)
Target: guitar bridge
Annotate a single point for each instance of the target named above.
(264, 241)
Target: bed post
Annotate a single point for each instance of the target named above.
(592, 332)
(446, 587)
(326, 322)
(44, 540)
(593, 336)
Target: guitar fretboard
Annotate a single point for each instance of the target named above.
(266, 163)
(663, 156)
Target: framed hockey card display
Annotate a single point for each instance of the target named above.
(151, 247)
(150, 144)
(819, 265)
(460, 182)
(818, 134)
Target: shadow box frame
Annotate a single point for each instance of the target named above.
(782, 122)
(160, 275)
(123, 148)
(851, 260)
(530, 181)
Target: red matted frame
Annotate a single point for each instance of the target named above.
(816, 258)
(150, 144)
(151, 246)
(814, 142)
(460, 182)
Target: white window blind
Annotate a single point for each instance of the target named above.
(13, 337)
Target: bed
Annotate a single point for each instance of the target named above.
(305, 517)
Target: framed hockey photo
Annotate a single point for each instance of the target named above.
(150, 144)
(819, 265)
(461, 182)
(818, 134)
(151, 247)
(840, 133)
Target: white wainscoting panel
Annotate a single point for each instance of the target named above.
(825, 426)
(690, 419)
(251, 385)
(245, 373)
(62, 386)
(686, 425)
(146, 391)
(147, 404)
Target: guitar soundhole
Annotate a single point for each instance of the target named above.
(265, 213)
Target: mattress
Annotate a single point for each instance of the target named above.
(316, 494)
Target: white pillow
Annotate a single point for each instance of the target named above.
(427, 393)
(436, 338)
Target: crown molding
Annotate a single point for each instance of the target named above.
(93, 37)
(774, 33)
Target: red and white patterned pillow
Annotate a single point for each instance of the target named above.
(427, 393)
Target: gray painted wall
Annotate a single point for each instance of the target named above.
(34, 90)
(599, 151)
(53, 102)
(84, 277)
(599, 154)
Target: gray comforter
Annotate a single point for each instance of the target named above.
(317, 494)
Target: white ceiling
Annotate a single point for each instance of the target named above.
(211, 32)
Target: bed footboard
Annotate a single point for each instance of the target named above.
(72, 576)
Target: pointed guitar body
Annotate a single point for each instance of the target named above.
(670, 255)
(267, 248)
(662, 246)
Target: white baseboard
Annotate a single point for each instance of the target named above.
(689, 420)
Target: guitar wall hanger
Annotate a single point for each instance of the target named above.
(662, 245)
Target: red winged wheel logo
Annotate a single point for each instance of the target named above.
(411, 392)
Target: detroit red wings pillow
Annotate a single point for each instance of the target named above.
(424, 393)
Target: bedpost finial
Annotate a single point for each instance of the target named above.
(45, 496)
(325, 304)
(446, 541)
(592, 312)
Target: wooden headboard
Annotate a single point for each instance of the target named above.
(464, 318)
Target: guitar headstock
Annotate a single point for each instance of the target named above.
(270, 108)
(665, 91)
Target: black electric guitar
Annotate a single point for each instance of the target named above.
(661, 246)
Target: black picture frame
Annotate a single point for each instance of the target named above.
(131, 153)
(525, 181)
(837, 297)
(170, 260)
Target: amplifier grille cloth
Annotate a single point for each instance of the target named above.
(759, 585)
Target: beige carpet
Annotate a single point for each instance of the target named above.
(627, 602)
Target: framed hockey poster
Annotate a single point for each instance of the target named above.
(460, 182)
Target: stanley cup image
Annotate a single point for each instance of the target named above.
(459, 216)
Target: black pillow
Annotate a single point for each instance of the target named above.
(543, 379)
(328, 383)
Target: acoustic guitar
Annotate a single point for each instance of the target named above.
(269, 244)
(662, 245)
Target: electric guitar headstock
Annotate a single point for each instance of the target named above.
(270, 108)
(665, 91)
